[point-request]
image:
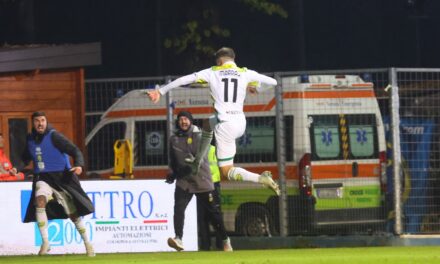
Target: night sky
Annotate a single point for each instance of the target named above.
(318, 34)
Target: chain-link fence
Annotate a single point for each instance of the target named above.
(328, 142)
(419, 136)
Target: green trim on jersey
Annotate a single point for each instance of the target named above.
(228, 66)
(201, 81)
(225, 159)
(253, 83)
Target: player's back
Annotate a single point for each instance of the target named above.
(228, 85)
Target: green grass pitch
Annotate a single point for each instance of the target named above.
(374, 255)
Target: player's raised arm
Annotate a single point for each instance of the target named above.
(261, 83)
(154, 95)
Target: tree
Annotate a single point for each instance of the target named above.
(205, 26)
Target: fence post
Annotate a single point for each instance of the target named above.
(281, 157)
(395, 130)
(170, 108)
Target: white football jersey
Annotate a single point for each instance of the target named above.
(228, 84)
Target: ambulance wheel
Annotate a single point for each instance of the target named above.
(253, 220)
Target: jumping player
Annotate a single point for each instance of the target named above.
(228, 84)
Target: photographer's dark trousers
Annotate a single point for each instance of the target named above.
(205, 200)
(204, 226)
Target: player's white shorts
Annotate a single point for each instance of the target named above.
(226, 132)
(63, 198)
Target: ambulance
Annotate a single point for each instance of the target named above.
(334, 149)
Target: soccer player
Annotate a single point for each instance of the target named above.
(228, 84)
(56, 191)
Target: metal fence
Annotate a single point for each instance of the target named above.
(345, 142)
(419, 95)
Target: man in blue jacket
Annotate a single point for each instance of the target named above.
(56, 191)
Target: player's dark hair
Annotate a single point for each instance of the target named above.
(225, 52)
(37, 114)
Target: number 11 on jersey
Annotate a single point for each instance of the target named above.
(226, 82)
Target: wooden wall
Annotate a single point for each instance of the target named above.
(59, 93)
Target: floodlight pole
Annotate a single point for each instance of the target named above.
(281, 157)
(170, 110)
(395, 132)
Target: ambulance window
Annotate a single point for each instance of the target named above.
(258, 143)
(362, 136)
(100, 148)
(325, 137)
(150, 145)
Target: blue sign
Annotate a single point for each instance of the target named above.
(415, 145)
(25, 197)
(361, 136)
(327, 137)
(245, 140)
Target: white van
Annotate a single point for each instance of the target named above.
(334, 145)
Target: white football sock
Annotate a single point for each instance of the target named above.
(81, 229)
(204, 146)
(240, 174)
(41, 217)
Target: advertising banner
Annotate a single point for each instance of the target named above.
(416, 140)
(130, 216)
